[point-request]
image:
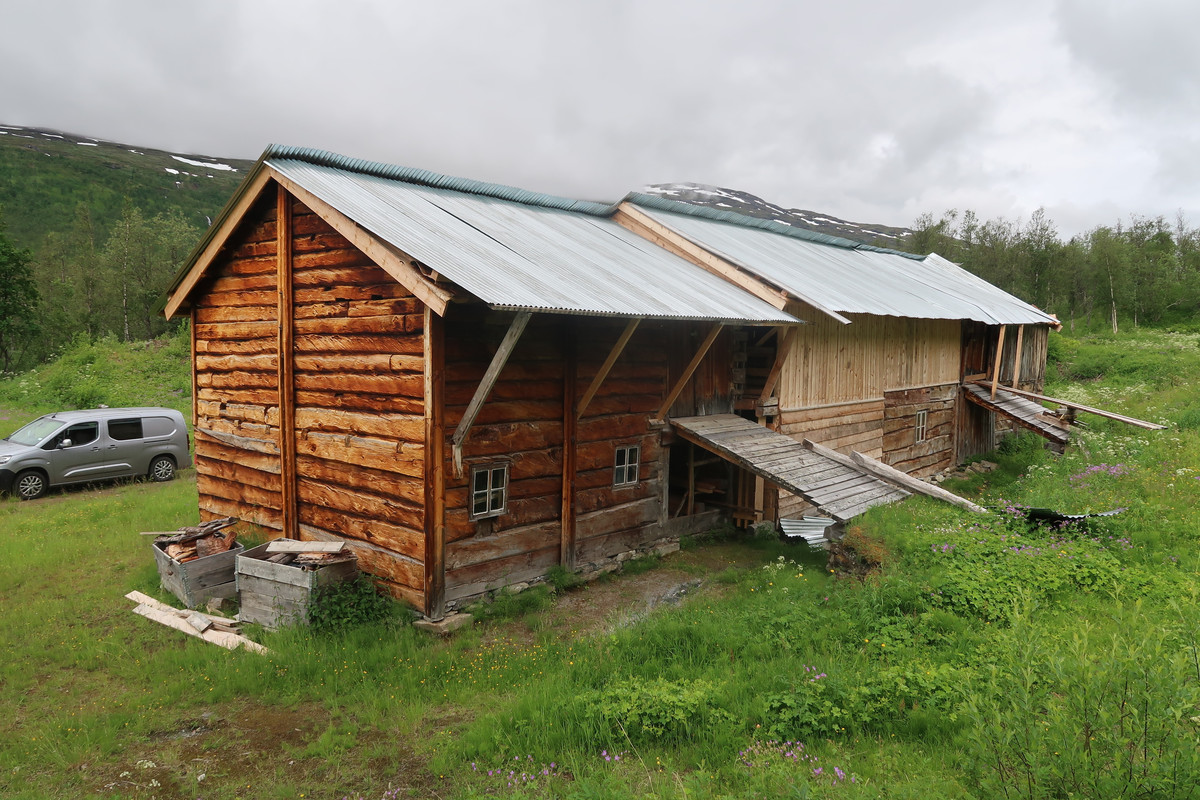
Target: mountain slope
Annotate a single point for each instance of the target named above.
(45, 174)
(752, 206)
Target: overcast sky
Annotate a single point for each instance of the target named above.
(872, 111)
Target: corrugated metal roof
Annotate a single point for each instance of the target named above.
(851, 278)
(524, 252)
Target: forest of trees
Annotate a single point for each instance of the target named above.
(79, 286)
(1142, 272)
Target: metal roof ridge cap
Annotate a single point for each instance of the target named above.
(773, 226)
(420, 177)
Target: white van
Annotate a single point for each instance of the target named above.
(86, 446)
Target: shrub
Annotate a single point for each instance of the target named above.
(649, 710)
(349, 604)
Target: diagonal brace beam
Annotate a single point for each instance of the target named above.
(487, 384)
(687, 373)
(781, 356)
(607, 366)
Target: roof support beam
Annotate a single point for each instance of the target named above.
(781, 355)
(216, 242)
(487, 384)
(687, 373)
(390, 259)
(1017, 366)
(999, 360)
(607, 366)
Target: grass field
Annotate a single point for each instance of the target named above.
(985, 658)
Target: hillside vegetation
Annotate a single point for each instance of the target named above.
(940, 654)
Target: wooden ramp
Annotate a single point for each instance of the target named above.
(837, 490)
(1024, 412)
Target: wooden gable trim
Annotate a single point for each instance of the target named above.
(216, 244)
(390, 259)
(741, 275)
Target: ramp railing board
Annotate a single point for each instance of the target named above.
(1140, 423)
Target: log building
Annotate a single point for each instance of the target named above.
(471, 383)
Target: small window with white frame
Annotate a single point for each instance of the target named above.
(489, 490)
(625, 466)
(922, 426)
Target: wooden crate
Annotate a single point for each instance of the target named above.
(275, 595)
(196, 581)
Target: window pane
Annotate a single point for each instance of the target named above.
(631, 473)
(497, 503)
(498, 478)
(125, 429)
(618, 476)
(620, 457)
(83, 433)
(480, 504)
(481, 480)
(633, 455)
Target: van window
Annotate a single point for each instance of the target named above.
(124, 429)
(79, 433)
(157, 426)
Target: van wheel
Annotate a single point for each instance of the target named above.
(162, 469)
(30, 484)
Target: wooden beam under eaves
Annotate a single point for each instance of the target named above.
(390, 259)
(487, 384)
(687, 373)
(607, 366)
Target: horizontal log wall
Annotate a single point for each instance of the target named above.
(900, 448)
(835, 363)
(521, 423)
(360, 427)
(237, 395)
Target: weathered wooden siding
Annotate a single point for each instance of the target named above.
(835, 363)
(359, 399)
(237, 394)
(358, 390)
(900, 448)
(522, 424)
(615, 519)
(711, 387)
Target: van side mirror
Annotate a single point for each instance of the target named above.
(64, 443)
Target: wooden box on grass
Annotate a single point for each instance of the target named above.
(196, 581)
(275, 595)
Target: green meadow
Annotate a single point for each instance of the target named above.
(981, 658)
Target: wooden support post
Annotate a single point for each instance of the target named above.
(566, 550)
(195, 388)
(687, 373)
(608, 365)
(783, 348)
(435, 466)
(1017, 365)
(286, 346)
(999, 358)
(760, 486)
(691, 495)
(487, 384)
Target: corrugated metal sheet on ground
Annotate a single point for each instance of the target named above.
(512, 255)
(856, 281)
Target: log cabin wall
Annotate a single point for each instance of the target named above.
(236, 372)
(935, 452)
(357, 392)
(521, 424)
(359, 406)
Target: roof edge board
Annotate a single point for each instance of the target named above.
(750, 271)
(786, 319)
